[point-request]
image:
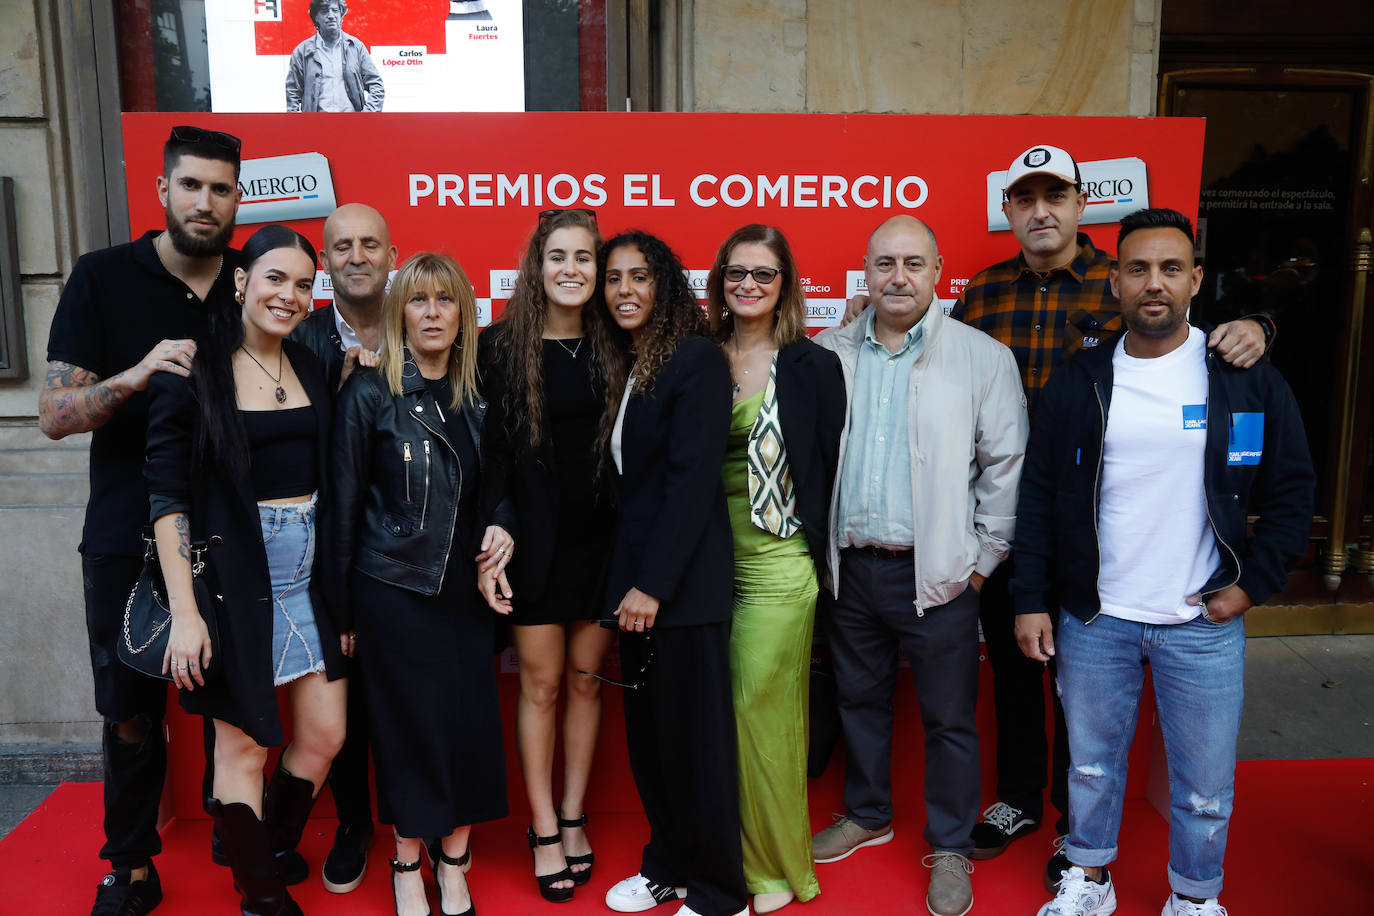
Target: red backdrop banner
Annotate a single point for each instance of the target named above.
(473, 184)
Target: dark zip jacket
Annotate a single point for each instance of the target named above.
(395, 480)
(1257, 463)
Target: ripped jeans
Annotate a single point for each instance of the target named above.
(1198, 670)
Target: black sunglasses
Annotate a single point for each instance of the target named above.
(641, 676)
(546, 215)
(189, 133)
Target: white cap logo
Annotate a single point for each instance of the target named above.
(1037, 157)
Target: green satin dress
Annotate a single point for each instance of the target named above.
(770, 660)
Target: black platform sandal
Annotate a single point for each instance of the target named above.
(579, 877)
(546, 882)
(460, 863)
(397, 868)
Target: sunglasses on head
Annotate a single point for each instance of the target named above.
(189, 133)
(547, 215)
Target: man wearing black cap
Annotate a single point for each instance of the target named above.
(125, 313)
(1046, 303)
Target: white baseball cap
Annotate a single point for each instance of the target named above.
(1042, 160)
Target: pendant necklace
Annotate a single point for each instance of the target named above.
(281, 392)
(564, 347)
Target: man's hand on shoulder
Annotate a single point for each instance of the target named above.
(76, 400)
(852, 309)
(1240, 343)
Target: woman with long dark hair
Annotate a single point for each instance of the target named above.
(785, 425)
(665, 425)
(405, 524)
(542, 376)
(236, 460)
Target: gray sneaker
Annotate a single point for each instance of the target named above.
(844, 836)
(951, 889)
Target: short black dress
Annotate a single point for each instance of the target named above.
(582, 541)
(430, 683)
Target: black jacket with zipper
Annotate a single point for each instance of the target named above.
(1056, 545)
(395, 485)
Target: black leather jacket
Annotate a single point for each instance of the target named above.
(319, 332)
(395, 484)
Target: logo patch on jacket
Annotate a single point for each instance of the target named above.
(1247, 439)
(1194, 416)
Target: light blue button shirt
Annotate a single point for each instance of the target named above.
(875, 482)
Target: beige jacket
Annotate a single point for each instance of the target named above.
(967, 431)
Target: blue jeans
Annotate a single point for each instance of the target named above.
(288, 535)
(1198, 672)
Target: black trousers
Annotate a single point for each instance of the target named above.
(134, 771)
(871, 617)
(348, 774)
(1018, 696)
(680, 732)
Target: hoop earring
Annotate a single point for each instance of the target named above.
(238, 296)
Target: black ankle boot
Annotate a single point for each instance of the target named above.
(251, 861)
(285, 809)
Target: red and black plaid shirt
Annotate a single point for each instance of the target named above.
(1043, 317)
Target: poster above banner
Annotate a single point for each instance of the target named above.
(474, 184)
(365, 55)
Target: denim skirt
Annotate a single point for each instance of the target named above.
(288, 534)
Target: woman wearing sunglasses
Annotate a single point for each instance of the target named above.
(236, 458)
(407, 521)
(542, 376)
(785, 424)
(666, 420)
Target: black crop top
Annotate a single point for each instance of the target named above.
(281, 449)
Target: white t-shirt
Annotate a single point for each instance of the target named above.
(619, 428)
(1157, 543)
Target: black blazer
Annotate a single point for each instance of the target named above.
(673, 539)
(811, 408)
(223, 511)
(527, 477)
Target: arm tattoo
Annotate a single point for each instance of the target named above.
(76, 400)
(183, 527)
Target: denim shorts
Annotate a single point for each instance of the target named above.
(288, 534)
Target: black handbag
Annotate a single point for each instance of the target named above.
(148, 621)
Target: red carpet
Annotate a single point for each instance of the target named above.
(1298, 846)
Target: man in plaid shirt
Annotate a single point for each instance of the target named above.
(1050, 300)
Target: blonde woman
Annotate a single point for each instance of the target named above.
(405, 526)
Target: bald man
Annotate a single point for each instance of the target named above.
(922, 512)
(359, 256)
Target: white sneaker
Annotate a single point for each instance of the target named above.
(1080, 897)
(637, 894)
(1177, 906)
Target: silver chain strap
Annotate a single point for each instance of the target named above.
(197, 567)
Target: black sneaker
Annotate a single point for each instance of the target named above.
(1058, 864)
(1000, 825)
(347, 861)
(117, 895)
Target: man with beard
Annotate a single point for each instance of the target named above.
(125, 313)
(332, 70)
(1147, 455)
(359, 256)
